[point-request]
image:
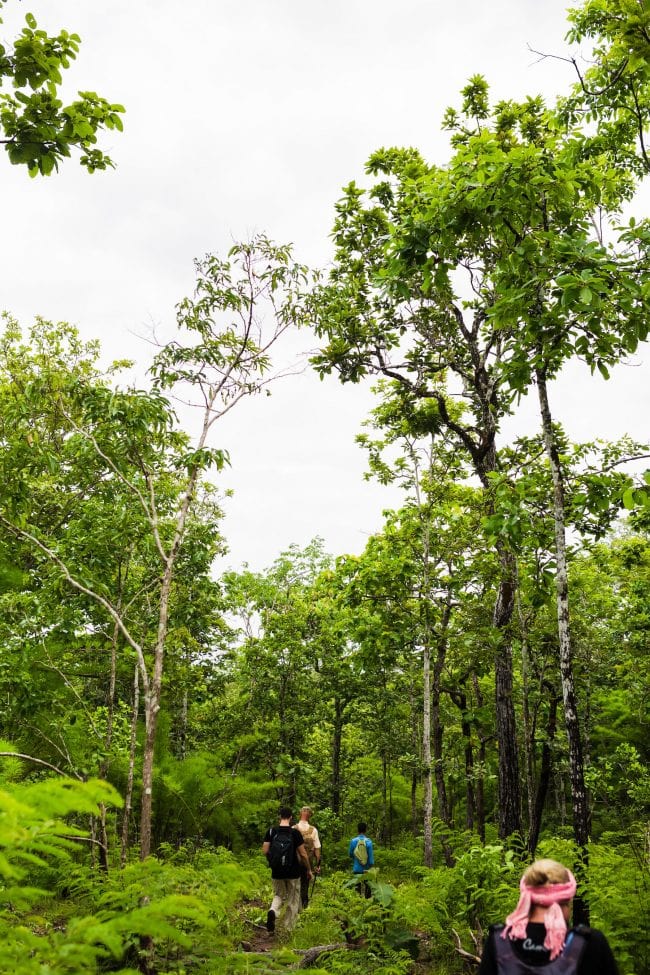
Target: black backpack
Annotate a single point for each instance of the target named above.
(565, 964)
(282, 851)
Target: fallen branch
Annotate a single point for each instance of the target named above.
(311, 954)
(467, 955)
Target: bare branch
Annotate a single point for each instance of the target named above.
(110, 609)
(467, 955)
(641, 120)
(150, 513)
(84, 839)
(39, 761)
(595, 93)
(75, 693)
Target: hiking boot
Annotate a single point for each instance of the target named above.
(270, 922)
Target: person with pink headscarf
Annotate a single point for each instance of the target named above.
(536, 936)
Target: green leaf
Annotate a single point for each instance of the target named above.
(628, 499)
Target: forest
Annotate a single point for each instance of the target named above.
(474, 685)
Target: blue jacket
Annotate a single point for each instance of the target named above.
(356, 866)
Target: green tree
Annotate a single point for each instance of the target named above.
(38, 130)
(97, 489)
(409, 326)
(560, 291)
(488, 270)
(614, 89)
(275, 661)
(594, 480)
(611, 582)
(121, 452)
(435, 535)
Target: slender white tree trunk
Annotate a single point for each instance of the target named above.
(576, 763)
(128, 797)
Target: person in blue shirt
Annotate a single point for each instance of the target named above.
(362, 855)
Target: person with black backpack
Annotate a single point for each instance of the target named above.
(284, 849)
(536, 938)
(362, 855)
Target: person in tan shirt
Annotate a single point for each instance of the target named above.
(312, 843)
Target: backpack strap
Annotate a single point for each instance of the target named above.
(508, 960)
(583, 932)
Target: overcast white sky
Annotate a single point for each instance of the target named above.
(245, 116)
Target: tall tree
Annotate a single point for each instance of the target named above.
(434, 532)
(127, 444)
(410, 326)
(488, 269)
(275, 660)
(95, 483)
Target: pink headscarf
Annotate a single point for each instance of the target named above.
(548, 896)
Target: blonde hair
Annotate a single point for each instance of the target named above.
(306, 809)
(543, 872)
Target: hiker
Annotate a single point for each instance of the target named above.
(536, 938)
(310, 835)
(362, 856)
(284, 848)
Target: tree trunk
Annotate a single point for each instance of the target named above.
(509, 813)
(151, 708)
(425, 623)
(426, 757)
(529, 732)
(509, 785)
(576, 766)
(384, 795)
(438, 731)
(576, 763)
(108, 740)
(460, 700)
(560, 796)
(437, 737)
(415, 745)
(544, 778)
(391, 810)
(480, 788)
(336, 756)
(485, 459)
(128, 796)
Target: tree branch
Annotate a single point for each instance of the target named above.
(39, 761)
(110, 609)
(310, 955)
(467, 955)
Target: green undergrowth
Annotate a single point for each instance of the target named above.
(198, 912)
(60, 915)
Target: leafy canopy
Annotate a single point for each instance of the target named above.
(36, 128)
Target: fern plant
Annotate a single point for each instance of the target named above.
(35, 837)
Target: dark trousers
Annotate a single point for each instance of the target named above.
(363, 888)
(304, 887)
